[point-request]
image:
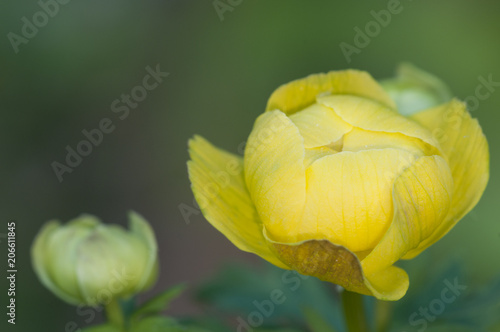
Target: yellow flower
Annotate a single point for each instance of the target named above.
(335, 183)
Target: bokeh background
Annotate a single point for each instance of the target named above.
(221, 73)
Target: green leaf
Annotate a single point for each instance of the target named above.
(494, 328)
(238, 290)
(316, 322)
(155, 324)
(159, 303)
(277, 330)
(480, 308)
(474, 309)
(451, 327)
(162, 324)
(210, 323)
(103, 328)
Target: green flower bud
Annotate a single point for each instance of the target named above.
(87, 262)
(415, 90)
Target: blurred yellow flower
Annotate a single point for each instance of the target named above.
(335, 183)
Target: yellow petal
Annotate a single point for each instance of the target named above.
(368, 115)
(349, 198)
(319, 126)
(360, 139)
(219, 188)
(466, 148)
(422, 198)
(275, 171)
(314, 154)
(299, 94)
(389, 284)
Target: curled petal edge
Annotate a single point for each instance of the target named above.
(336, 264)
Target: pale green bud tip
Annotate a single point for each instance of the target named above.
(415, 90)
(88, 262)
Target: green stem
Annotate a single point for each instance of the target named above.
(354, 312)
(114, 313)
(383, 315)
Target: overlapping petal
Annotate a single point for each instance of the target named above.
(361, 139)
(143, 231)
(319, 126)
(219, 187)
(339, 265)
(422, 197)
(275, 173)
(97, 264)
(41, 262)
(466, 149)
(299, 94)
(326, 261)
(66, 277)
(366, 114)
(349, 197)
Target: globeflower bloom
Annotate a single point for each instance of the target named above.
(336, 183)
(91, 263)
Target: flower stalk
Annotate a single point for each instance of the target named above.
(114, 314)
(354, 312)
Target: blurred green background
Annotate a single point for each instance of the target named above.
(221, 72)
